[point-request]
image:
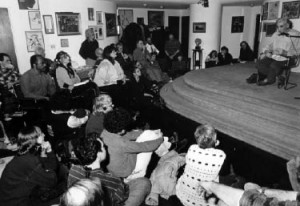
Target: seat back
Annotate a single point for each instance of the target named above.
(18, 91)
(293, 61)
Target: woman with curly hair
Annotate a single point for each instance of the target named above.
(34, 167)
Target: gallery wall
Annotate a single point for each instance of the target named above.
(20, 23)
(264, 38)
(232, 40)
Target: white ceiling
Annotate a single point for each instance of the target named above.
(178, 4)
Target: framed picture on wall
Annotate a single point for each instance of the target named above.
(291, 9)
(265, 11)
(199, 27)
(273, 10)
(64, 42)
(68, 23)
(99, 18)
(34, 39)
(111, 24)
(126, 17)
(155, 18)
(98, 31)
(28, 4)
(91, 14)
(237, 24)
(48, 24)
(270, 29)
(35, 20)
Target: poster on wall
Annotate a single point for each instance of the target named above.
(273, 10)
(237, 24)
(126, 17)
(34, 39)
(155, 18)
(28, 4)
(98, 31)
(35, 20)
(68, 23)
(48, 24)
(91, 14)
(291, 9)
(265, 11)
(111, 24)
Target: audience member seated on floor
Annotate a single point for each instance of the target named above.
(246, 53)
(102, 105)
(154, 71)
(85, 192)
(293, 168)
(121, 145)
(179, 66)
(124, 59)
(9, 75)
(88, 47)
(224, 56)
(91, 153)
(251, 196)
(212, 59)
(140, 53)
(150, 47)
(34, 166)
(49, 63)
(110, 76)
(35, 83)
(68, 80)
(276, 53)
(203, 163)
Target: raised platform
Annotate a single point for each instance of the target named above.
(265, 117)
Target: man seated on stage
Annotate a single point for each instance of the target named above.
(35, 83)
(275, 55)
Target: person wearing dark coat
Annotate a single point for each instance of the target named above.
(88, 48)
(246, 53)
(224, 56)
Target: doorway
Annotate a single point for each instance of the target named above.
(6, 36)
(174, 25)
(256, 36)
(185, 30)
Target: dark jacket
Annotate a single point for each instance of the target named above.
(23, 174)
(225, 60)
(87, 49)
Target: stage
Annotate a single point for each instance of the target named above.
(265, 117)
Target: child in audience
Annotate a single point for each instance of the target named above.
(102, 105)
(203, 163)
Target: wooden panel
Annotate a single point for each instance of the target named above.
(6, 37)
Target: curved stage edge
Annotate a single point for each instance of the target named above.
(265, 117)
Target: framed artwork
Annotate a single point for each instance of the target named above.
(237, 24)
(291, 9)
(28, 4)
(155, 18)
(270, 29)
(68, 23)
(199, 27)
(265, 11)
(34, 39)
(273, 10)
(99, 18)
(91, 14)
(64, 42)
(48, 24)
(126, 17)
(111, 24)
(98, 31)
(35, 20)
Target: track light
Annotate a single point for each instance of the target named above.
(204, 3)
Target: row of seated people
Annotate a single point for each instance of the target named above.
(119, 156)
(224, 57)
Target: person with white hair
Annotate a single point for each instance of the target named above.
(88, 48)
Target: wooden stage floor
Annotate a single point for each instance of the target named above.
(265, 117)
